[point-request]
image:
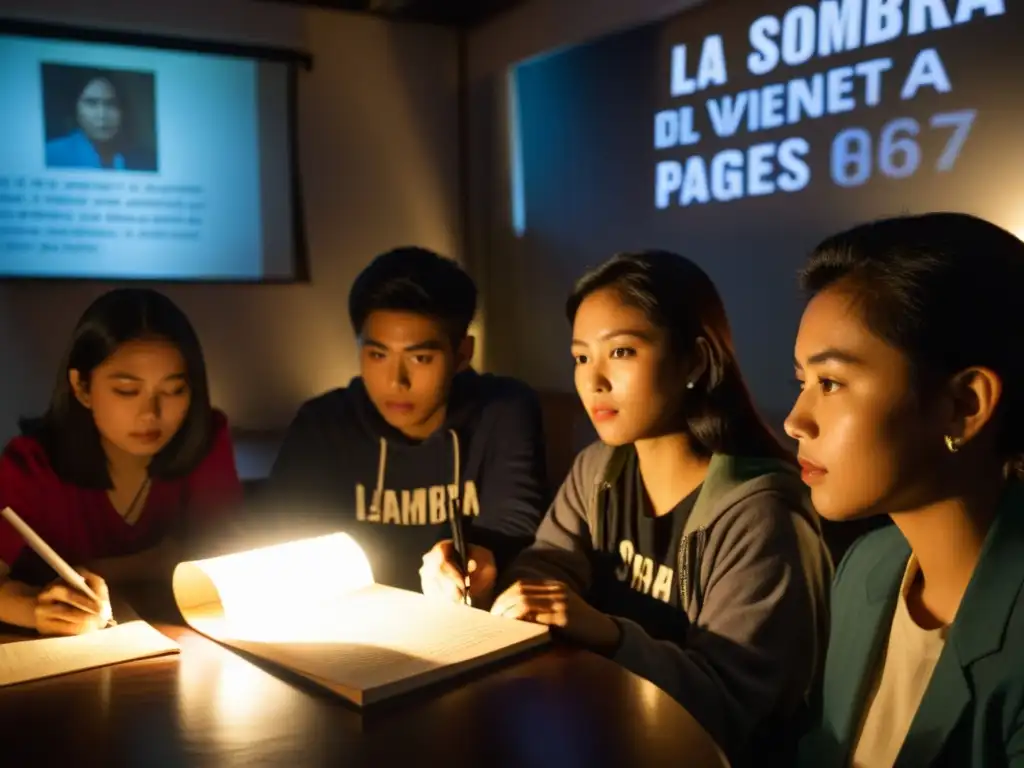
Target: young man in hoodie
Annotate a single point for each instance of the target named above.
(417, 435)
(684, 545)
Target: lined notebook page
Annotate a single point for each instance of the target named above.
(381, 641)
(35, 659)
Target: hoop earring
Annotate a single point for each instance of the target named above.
(953, 443)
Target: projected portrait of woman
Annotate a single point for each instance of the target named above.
(99, 119)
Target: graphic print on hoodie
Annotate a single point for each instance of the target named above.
(749, 578)
(343, 467)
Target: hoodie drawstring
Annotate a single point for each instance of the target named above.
(378, 494)
(455, 461)
(382, 463)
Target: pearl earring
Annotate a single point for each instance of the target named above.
(689, 385)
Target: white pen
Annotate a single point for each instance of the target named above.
(45, 551)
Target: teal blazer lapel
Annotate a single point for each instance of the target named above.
(859, 638)
(978, 631)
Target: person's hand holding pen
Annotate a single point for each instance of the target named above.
(63, 610)
(441, 576)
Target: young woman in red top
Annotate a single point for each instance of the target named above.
(128, 461)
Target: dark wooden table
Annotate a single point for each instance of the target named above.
(210, 707)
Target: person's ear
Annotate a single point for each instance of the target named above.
(80, 388)
(701, 361)
(974, 394)
(464, 353)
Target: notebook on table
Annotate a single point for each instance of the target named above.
(25, 656)
(313, 608)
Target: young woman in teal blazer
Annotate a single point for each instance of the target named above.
(911, 359)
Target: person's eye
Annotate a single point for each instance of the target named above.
(829, 386)
(178, 391)
(375, 354)
(579, 359)
(125, 392)
(620, 353)
(423, 359)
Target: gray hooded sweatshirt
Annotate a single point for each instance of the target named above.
(752, 574)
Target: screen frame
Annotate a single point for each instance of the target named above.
(295, 60)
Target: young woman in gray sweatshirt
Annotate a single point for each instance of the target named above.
(683, 545)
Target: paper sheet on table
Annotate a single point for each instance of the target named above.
(24, 658)
(312, 607)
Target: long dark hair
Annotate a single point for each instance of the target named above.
(677, 296)
(67, 430)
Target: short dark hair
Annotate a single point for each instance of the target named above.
(413, 279)
(67, 430)
(943, 288)
(678, 296)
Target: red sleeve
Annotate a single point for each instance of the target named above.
(23, 470)
(213, 487)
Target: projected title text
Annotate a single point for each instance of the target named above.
(804, 33)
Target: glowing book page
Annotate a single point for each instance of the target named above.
(22, 660)
(312, 607)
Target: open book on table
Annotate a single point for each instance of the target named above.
(312, 607)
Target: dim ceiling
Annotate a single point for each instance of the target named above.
(458, 13)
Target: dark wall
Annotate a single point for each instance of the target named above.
(587, 166)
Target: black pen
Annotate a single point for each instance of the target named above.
(459, 545)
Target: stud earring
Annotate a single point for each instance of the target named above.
(953, 443)
(689, 385)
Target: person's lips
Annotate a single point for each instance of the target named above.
(810, 471)
(603, 412)
(147, 436)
